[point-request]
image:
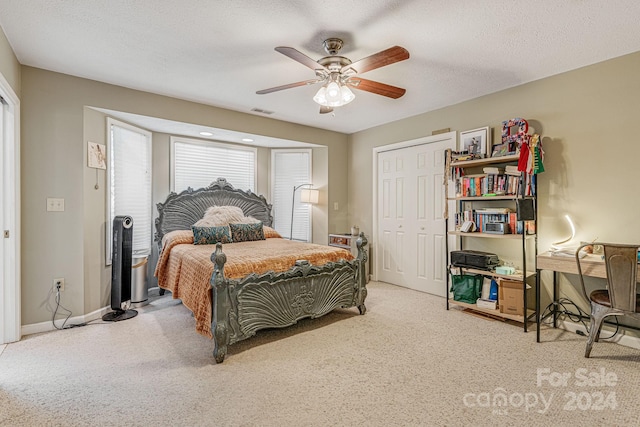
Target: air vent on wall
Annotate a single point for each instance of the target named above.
(260, 110)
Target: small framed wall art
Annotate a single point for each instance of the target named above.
(477, 142)
(97, 155)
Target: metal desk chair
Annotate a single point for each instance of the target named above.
(620, 297)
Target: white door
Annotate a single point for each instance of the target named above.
(9, 214)
(3, 242)
(411, 229)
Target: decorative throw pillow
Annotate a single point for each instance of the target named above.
(270, 233)
(217, 216)
(210, 235)
(246, 232)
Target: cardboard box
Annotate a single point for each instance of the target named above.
(511, 297)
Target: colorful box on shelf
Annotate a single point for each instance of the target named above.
(503, 269)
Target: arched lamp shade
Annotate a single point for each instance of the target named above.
(308, 195)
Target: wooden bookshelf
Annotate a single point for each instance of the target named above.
(494, 312)
(483, 162)
(486, 198)
(503, 193)
(490, 235)
(493, 274)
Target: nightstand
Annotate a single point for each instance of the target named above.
(348, 241)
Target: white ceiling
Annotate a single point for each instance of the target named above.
(221, 52)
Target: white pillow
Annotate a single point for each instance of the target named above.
(217, 216)
(250, 220)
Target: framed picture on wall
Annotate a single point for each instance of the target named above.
(96, 155)
(476, 142)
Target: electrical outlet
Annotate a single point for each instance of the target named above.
(58, 284)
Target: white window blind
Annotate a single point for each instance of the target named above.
(290, 168)
(129, 186)
(197, 164)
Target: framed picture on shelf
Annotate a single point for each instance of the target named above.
(476, 142)
(500, 150)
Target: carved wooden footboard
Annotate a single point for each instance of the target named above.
(276, 300)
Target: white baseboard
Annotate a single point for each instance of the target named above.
(37, 328)
(621, 337)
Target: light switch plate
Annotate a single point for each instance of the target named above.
(55, 204)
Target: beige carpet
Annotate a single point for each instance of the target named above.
(407, 362)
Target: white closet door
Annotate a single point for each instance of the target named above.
(392, 201)
(411, 249)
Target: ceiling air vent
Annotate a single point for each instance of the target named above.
(260, 110)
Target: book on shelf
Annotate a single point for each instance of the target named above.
(511, 170)
(513, 222)
(492, 170)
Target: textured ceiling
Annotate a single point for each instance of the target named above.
(221, 52)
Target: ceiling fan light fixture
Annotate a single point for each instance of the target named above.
(321, 96)
(334, 94)
(346, 94)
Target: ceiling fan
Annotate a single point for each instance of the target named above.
(337, 74)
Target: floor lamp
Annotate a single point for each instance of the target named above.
(307, 195)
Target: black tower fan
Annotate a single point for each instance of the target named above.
(121, 269)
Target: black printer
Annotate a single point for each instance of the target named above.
(474, 259)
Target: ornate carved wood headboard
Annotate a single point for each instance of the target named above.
(181, 211)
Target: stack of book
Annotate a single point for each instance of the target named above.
(512, 170)
(494, 170)
(481, 217)
(488, 184)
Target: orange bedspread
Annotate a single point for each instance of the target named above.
(185, 269)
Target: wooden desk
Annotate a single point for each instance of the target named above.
(592, 266)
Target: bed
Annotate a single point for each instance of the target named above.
(236, 289)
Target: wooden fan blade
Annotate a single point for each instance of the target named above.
(325, 110)
(376, 87)
(386, 57)
(289, 86)
(296, 55)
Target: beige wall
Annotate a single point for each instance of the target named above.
(97, 275)
(56, 126)
(9, 65)
(586, 118)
